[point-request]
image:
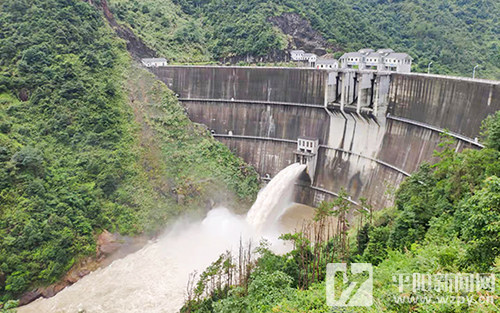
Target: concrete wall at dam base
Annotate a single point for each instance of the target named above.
(373, 129)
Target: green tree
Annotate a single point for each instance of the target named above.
(479, 220)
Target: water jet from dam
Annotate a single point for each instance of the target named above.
(372, 128)
(272, 200)
(154, 278)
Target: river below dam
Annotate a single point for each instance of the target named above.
(154, 279)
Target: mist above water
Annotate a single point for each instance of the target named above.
(154, 278)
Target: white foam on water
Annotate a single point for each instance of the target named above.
(154, 278)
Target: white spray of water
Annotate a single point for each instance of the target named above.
(272, 200)
(154, 278)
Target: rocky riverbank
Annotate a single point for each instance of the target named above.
(110, 247)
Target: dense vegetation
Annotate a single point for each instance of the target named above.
(446, 220)
(455, 35)
(83, 149)
(165, 28)
(90, 142)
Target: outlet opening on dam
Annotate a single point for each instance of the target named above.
(186, 248)
(310, 147)
(368, 129)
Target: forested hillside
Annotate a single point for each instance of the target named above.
(456, 35)
(165, 28)
(89, 142)
(446, 219)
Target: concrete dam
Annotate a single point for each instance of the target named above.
(359, 130)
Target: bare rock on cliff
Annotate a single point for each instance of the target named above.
(136, 47)
(303, 36)
(107, 243)
(29, 297)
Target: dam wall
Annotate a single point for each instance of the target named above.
(456, 104)
(293, 85)
(373, 130)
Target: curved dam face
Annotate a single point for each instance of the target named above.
(360, 130)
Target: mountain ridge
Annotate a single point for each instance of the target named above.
(454, 34)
